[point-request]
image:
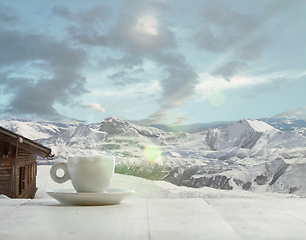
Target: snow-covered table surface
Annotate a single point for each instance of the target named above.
(155, 218)
(158, 210)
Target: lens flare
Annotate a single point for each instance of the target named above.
(216, 98)
(153, 153)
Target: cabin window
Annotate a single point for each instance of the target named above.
(26, 176)
(6, 147)
(21, 179)
(29, 173)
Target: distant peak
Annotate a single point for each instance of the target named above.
(14, 118)
(258, 126)
(112, 119)
(113, 125)
(9, 117)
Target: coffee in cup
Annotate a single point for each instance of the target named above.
(87, 173)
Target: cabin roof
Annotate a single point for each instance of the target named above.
(24, 143)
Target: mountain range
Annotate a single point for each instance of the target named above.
(284, 124)
(253, 155)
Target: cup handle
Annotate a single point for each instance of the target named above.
(53, 170)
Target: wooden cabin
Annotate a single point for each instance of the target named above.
(18, 166)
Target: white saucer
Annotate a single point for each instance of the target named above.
(71, 197)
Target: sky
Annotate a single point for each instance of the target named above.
(169, 62)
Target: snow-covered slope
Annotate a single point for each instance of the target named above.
(283, 124)
(114, 125)
(35, 129)
(243, 134)
(250, 154)
(287, 124)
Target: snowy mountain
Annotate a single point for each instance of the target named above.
(112, 125)
(284, 124)
(35, 129)
(287, 124)
(249, 154)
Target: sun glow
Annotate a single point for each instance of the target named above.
(147, 25)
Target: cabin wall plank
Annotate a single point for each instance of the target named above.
(29, 191)
(25, 158)
(5, 174)
(5, 163)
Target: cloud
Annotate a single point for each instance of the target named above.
(120, 46)
(126, 62)
(231, 69)
(38, 97)
(20, 47)
(276, 6)
(157, 117)
(39, 71)
(87, 26)
(223, 29)
(162, 117)
(179, 121)
(124, 78)
(8, 15)
(210, 83)
(179, 82)
(138, 30)
(95, 106)
(178, 87)
(141, 34)
(93, 15)
(293, 113)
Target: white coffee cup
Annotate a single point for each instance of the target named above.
(87, 173)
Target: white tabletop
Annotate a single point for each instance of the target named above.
(155, 218)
